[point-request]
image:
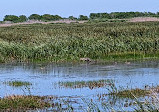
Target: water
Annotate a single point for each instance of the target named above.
(64, 80)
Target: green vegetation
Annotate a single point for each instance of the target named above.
(64, 42)
(22, 103)
(45, 17)
(107, 20)
(82, 17)
(72, 18)
(92, 16)
(15, 19)
(137, 100)
(17, 83)
(90, 84)
(34, 17)
(151, 105)
(122, 15)
(23, 18)
(133, 93)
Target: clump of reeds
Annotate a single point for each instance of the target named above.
(18, 83)
(89, 84)
(149, 105)
(131, 93)
(22, 103)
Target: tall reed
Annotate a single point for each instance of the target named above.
(72, 41)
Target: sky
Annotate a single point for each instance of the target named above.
(75, 8)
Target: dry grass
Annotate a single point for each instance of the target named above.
(20, 102)
(143, 19)
(67, 21)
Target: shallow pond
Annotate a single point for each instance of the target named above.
(76, 81)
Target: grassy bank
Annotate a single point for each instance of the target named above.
(68, 42)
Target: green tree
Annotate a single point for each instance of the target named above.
(57, 17)
(122, 15)
(82, 17)
(34, 17)
(105, 15)
(94, 15)
(157, 14)
(47, 17)
(11, 18)
(72, 18)
(22, 18)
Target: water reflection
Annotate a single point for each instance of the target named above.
(84, 80)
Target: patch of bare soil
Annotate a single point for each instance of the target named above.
(67, 21)
(143, 19)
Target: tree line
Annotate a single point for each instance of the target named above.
(122, 15)
(48, 17)
(45, 17)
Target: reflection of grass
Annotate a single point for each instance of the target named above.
(17, 83)
(132, 100)
(150, 105)
(11, 103)
(82, 84)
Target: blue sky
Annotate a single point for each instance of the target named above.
(66, 8)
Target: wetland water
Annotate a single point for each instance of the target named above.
(76, 81)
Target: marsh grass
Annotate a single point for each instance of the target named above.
(149, 105)
(127, 93)
(131, 93)
(90, 84)
(18, 83)
(66, 42)
(137, 100)
(22, 103)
